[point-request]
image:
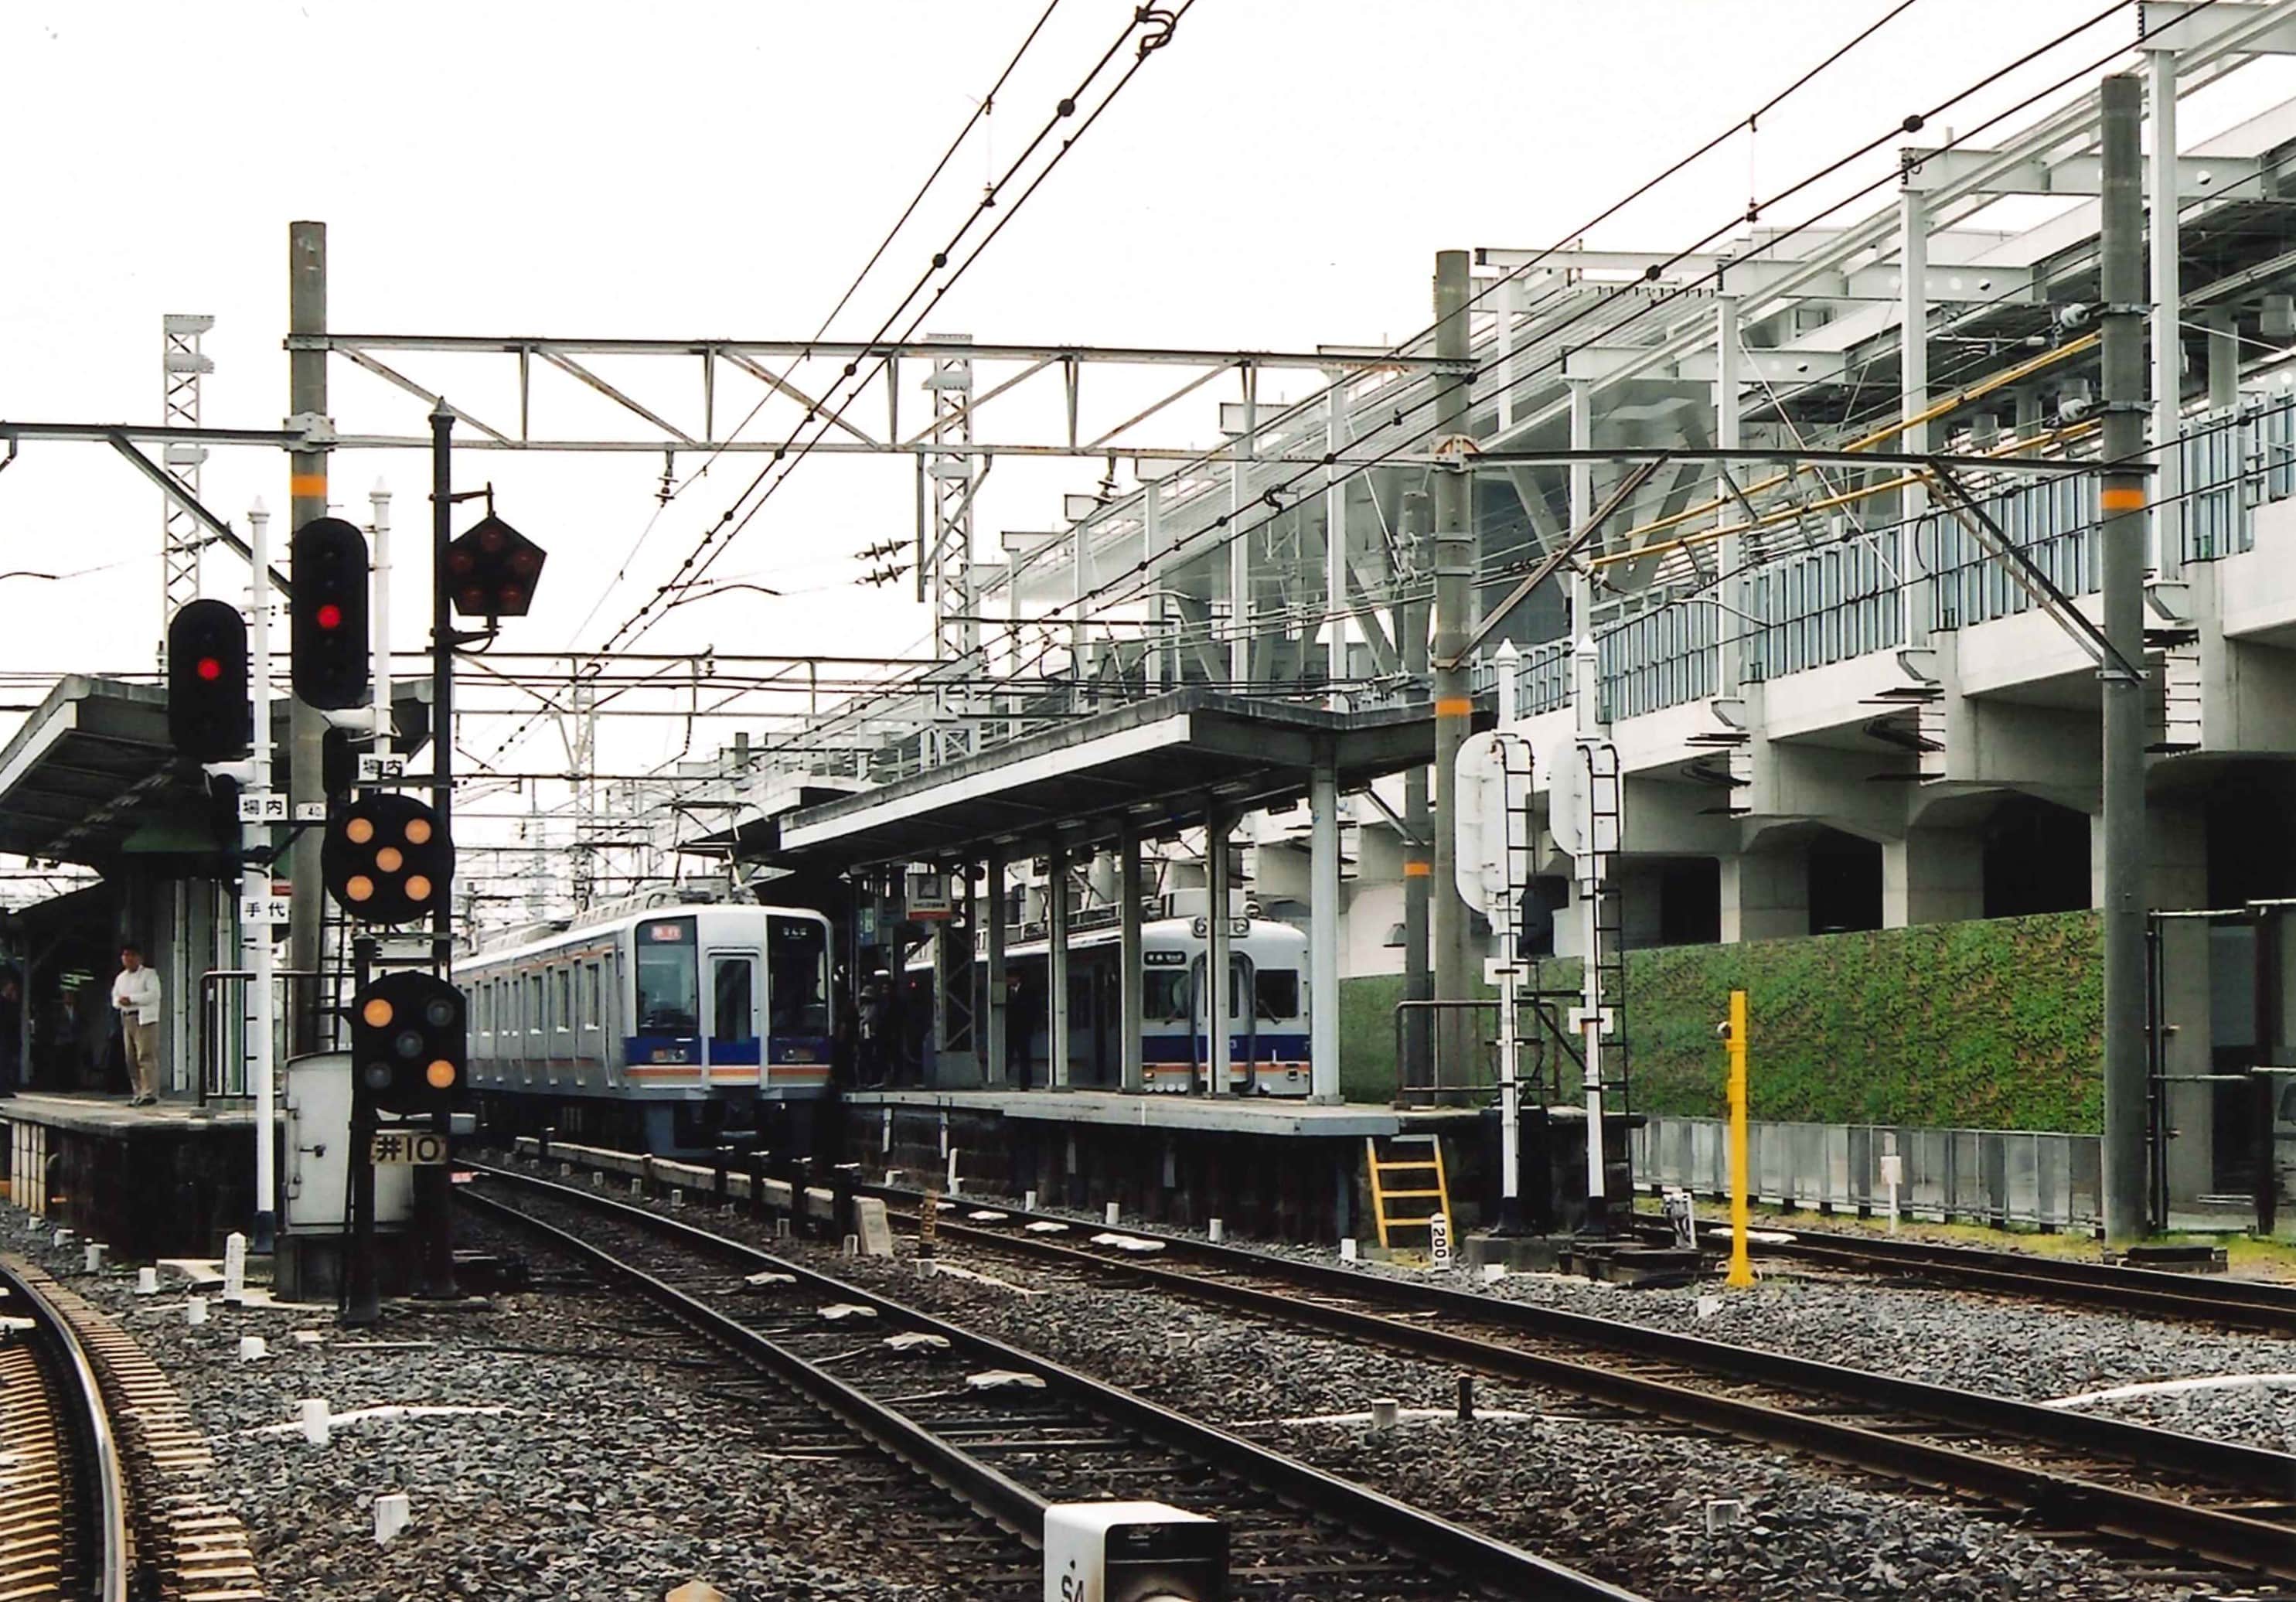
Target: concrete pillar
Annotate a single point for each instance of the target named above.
(1219, 1049)
(1932, 876)
(995, 1066)
(2163, 227)
(1914, 397)
(1324, 935)
(1766, 894)
(1134, 1074)
(2175, 857)
(2224, 358)
(1057, 977)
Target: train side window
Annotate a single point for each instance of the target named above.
(561, 1005)
(1164, 998)
(533, 1004)
(592, 978)
(1276, 994)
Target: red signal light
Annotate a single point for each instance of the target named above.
(329, 616)
(210, 669)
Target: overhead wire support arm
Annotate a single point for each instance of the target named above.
(1971, 514)
(1566, 553)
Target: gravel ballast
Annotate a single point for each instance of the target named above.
(613, 1475)
(1620, 1499)
(2032, 1352)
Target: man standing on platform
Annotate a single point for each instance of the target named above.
(136, 994)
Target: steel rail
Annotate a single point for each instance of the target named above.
(977, 1485)
(2156, 1521)
(88, 1420)
(2249, 1303)
(1476, 1558)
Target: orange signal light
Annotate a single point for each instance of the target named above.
(377, 1013)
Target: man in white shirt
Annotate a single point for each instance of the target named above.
(136, 995)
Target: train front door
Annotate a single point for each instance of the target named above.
(1244, 1040)
(730, 1045)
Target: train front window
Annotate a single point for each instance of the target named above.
(668, 987)
(1276, 994)
(1165, 1000)
(797, 976)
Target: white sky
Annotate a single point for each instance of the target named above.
(1281, 176)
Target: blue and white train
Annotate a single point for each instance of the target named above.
(1266, 1007)
(670, 1023)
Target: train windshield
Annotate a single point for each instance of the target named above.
(797, 955)
(668, 987)
(1166, 997)
(1275, 993)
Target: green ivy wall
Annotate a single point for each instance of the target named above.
(1991, 1023)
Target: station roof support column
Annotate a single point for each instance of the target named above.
(1131, 978)
(1324, 933)
(1056, 1000)
(1218, 1002)
(996, 1067)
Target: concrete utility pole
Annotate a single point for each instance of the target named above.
(1454, 704)
(306, 483)
(1418, 865)
(2121, 550)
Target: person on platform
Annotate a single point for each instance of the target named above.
(136, 993)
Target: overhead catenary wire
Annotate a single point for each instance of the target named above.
(1220, 530)
(1638, 192)
(1160, 26)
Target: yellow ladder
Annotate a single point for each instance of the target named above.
(1415, 1189)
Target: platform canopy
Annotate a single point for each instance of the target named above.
(91, 775)
(1159, 763)
(90, 767)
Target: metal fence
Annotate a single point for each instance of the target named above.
(1984, 1176)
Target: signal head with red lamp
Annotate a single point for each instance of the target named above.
(209, 719)
(328, 617)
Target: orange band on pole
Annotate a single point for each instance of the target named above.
(311, 484)
(1455, 706)
(2122, 501)
(1417, 870)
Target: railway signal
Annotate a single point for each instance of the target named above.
(209, 716)
(387, 858)
(492, 568)
(409, 1043)
(328, 614)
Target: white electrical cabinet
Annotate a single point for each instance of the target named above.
(317, 1172)
(1133, 1552)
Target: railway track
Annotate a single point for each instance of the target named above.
(2159, 1501)
(2241, 1303)
(100, 1470)
(1007, 1432)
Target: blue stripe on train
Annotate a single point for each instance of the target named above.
(798, 1048)
(639, 1050)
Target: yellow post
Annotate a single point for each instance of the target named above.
(1741, 1271)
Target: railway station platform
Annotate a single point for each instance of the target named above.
(169, 1181)
(1279, 1168)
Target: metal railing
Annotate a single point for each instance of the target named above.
(2040, 1177)
(221, 1060)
